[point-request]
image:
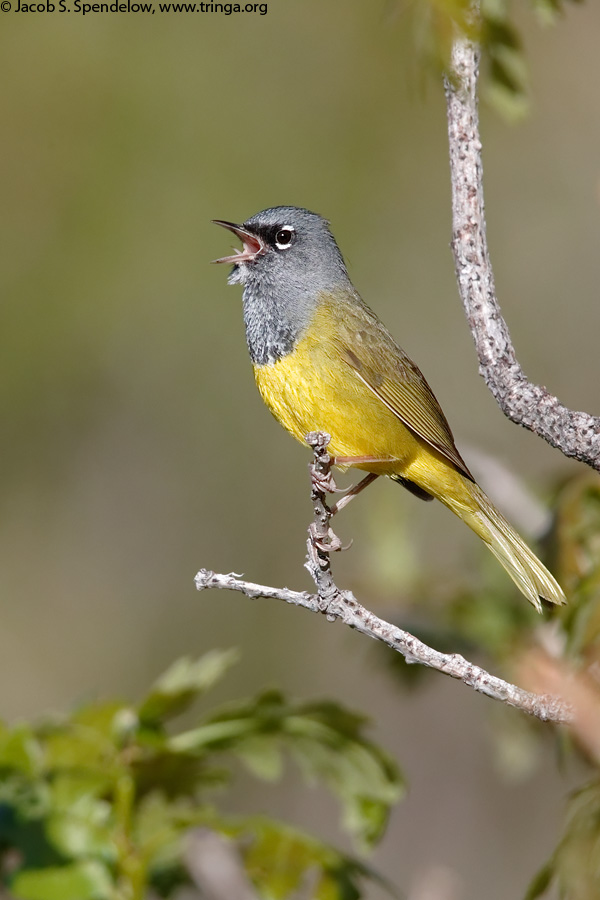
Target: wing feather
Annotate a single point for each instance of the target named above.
(384, 367)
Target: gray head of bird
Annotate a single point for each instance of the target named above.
(287, 247)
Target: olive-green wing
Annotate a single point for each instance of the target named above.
(368, 347)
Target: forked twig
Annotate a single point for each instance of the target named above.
(335, 603)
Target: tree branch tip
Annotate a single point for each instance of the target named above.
(202, 578)
(318, 440)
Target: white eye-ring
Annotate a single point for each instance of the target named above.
(284, 237)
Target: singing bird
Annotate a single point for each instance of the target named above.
(323, 361)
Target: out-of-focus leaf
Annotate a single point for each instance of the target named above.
(80, 823)
(79, 819)
(214, 736)
(184, 682)
(435, 23)
(90, 740)
(160, 826)
(159, 823)
(176, 772)
(549, 11)
(575, 865)
(103, 717)
(494, 616)
(280, 859)
(261, 756)
(110, 791)
(577, 537)
(327, 742)
(78, 881)
(540, 884)
(19, 750)
(80, 748)
(83, 833)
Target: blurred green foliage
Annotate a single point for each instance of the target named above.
(97, 806)
(490, 618)
(575, 864)
(495, 28)
(578, 551)
(484, 613)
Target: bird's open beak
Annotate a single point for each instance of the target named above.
(253, 246)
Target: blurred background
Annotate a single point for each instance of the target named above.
(133, 439)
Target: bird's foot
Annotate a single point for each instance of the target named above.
(353, 492)
(323, 482)
(327, 542)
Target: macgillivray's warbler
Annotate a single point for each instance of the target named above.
(324, 362)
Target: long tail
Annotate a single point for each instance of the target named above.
(531, 577)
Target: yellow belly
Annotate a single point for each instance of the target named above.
(307, 391)
(314, 389)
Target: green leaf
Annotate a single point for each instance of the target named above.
(81, 748)
(103, 717)
(24, 798)
(184, 682)
(160, 830)
(109, 790)
(84, 829)
(83, 835)
(161, 823)
(71, 790)
(176, 772)
(577, 542)
(278, 859)
(79, 881)
(219, 735)
(367, 784)
(329, 746)
(19, 750)
(91, 740)
(576, 860)
(540, 883)
(548, 11)
(434, 25)
(327, 742)
(491, 618)
(262, 757)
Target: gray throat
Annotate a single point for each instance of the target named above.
(274, 324)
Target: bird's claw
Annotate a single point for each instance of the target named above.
(324, 483)
(326, 543)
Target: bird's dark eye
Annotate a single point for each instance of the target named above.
(284, 237)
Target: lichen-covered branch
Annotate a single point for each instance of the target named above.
(335, 603)
(576, 434)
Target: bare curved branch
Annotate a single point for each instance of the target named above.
(576, 434)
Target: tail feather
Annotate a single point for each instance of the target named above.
(531, 577)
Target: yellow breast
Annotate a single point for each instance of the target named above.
(314, 389)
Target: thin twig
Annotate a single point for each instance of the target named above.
(576, 434)
(337, 604)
